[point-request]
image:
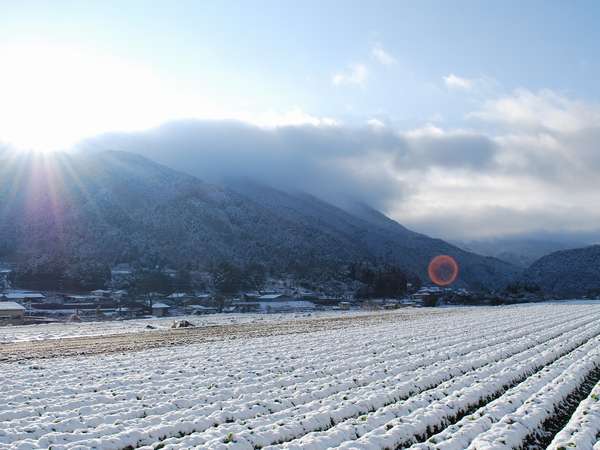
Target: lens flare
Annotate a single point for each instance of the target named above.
(443, 270)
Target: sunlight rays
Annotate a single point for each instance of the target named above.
(44, 187)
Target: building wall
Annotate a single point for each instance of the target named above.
(160, 312)
(4, 282)
(12, 316)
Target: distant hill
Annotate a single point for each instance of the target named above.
(78, 214)
(522, 251)
(568, 272)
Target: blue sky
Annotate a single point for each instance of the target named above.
(519, 78)
(270, 55)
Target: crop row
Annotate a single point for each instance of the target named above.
(308, 420)
(106, 399)
(399, 425)
(513, 429)
(297, 391)
(583, 429)
(460, 435)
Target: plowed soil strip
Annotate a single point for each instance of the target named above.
(131, 342)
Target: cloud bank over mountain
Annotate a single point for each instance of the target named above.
(529, 161)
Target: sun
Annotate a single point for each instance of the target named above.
(54, 96)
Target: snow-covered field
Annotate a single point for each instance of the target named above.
(81, 329)
(471, 378)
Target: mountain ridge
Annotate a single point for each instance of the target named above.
(524, 250)
(81, 212)
(568, 272)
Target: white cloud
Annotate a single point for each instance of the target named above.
(293, 117)
(355, 74)
(382, 56)
(376, 124)
(455, 183)
(544, 110)
(455, 82)
(541, 174)
(428, 130)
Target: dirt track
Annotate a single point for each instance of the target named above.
(128, 342)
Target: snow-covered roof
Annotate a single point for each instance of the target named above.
(160, 305)
(23, 295)
(11, 306)
(292, 304)
(430, 289)
(270, 296)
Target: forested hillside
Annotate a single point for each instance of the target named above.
(75, 215)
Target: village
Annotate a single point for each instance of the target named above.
(24, 306)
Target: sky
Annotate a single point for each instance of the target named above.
(459, 119)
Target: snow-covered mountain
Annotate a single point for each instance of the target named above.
(568, 272)
(523, 251)
(78, 214)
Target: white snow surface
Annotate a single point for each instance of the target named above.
(583, 430)
(482, 378)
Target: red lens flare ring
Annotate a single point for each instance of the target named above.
(443, 270)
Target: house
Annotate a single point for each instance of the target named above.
(245, 306)
(285, 306)
(325, 301)
(269, 291)
(180, 298)
(160, 309)
(64, 309)
(22, 296)
(101, 293)
(171, 273)
(4, 278)
(428, 295)
(80, 299)
(11, 312)
(272, 297)
(410, 302)
(203, 297)
(272, 306)
(390, 304)
(121, 274)
(305, 293)
(201, 310)
(274, 303)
